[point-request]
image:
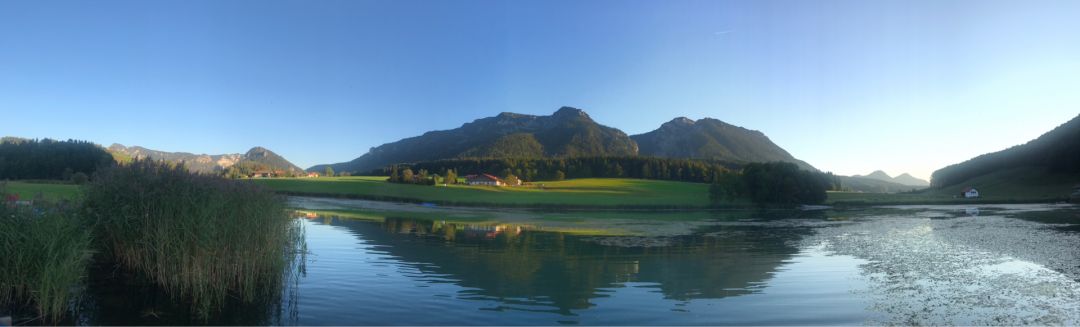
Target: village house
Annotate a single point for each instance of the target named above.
(312, 175)
(970, 192)
(262, 174)
(483, 179)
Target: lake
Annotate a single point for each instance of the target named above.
(402, 264)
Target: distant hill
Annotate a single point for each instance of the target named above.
(907, 179)
(204, 163)
(871, 185)
(262, 156)
(1051, 162)
(712, 139)
(904, 179)
(566, 133)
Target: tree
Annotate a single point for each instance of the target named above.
(407, 176)
(512, 180)
(394, 177)
(79, 178)
(329, 171)
(560, 175)
(451, 177)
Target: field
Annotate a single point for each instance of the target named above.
(49, 191)
(590, 192)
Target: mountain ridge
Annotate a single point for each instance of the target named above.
(902, 179)
(565, 133)
(206, 163)
(710, 138)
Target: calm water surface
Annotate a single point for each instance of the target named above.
(1002, 265)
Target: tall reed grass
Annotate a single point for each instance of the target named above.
(202, 238)
(44, 252)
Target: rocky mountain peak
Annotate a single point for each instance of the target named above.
(570, 112)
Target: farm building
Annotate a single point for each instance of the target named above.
(970, 192)
(312, 175)
(483, 179)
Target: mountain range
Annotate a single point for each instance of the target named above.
(205, 163)
(570, 132)
(903, 179)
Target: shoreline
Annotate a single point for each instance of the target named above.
(659, 208)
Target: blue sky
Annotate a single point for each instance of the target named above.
(848, 86)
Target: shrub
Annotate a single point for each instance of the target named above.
(202, 238)
(79, 178)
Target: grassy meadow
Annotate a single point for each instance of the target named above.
(50, 191)
(588, 192)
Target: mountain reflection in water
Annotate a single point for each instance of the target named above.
(525, 269)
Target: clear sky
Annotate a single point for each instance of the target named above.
(848, 86)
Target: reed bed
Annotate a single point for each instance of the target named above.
(203, 239)
(45, 250)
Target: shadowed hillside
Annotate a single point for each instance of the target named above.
(1051, 161)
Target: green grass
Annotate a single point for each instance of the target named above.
(50, 191)
(590, 192)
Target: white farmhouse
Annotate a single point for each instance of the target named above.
(970, 192)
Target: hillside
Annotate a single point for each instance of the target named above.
(712, 139)
(1053, 158)
(904, 179)
(205, 163)
(565, 133)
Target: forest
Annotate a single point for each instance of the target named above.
(50, 159)
(773, 183)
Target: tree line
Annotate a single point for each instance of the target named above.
(554, 169)
(51, 159)
(780, 183)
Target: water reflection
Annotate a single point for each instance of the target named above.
(904, 265)
(523, 265)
